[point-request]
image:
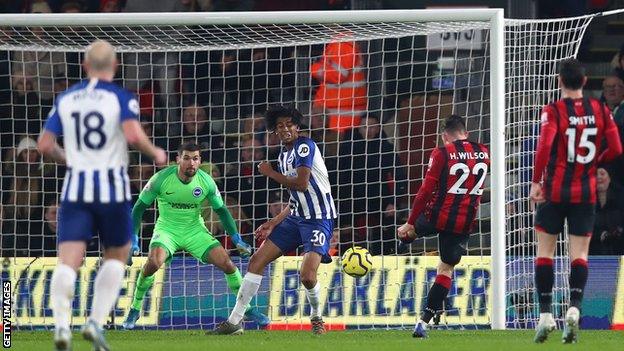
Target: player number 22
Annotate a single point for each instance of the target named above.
(92, 123)
(584, 143)
(480, 170)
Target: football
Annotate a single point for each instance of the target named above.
(357, 262)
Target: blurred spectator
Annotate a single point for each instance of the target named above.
(72, 7)
(618, 63)
(139, 175)
(22, 203)
(342, 93)
(48, 243)
(244, 225)
(110, 6)
(25, 112)
(369, 171)
(196, 127)
(157, 6)
(608, 236)
(613, 93)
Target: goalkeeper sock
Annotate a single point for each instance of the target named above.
(234, 281)
(544, 277)
(61, 294)
(578, 279)
(313, 299)
(436, 296)
(106, 289)
(247, 291)
(143, 284)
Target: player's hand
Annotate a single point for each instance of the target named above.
(406, 233)
(537, 193)
(263, 231)
(135, 250)
(160, 157)
(265, 168)
(244, 249)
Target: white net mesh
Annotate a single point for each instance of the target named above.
(533, 50)
(210, 84)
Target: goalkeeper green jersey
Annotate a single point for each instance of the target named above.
(180, 204)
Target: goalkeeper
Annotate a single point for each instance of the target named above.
(180, 190)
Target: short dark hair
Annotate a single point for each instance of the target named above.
(188, 146)
(277, 111)
(454, 123)
(572, 74)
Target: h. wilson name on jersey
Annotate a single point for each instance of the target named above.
(468, 155)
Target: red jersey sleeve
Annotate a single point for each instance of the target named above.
(429, 185)
(614, 147)
(548, 131)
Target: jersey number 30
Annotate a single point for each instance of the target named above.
(480, 170)
(92, 123)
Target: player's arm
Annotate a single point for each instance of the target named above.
(145, 200)
(47, 144)
(134, 134)
(425, 193)
(298, 183)
(614, 146)
(265, 229)
(544, 144)
(225, 217)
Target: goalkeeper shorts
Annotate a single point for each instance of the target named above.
(197, 242)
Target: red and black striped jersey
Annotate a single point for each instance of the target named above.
(570, 147)
(453, 185)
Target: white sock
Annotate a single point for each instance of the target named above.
(62, 294)
(248, 289)
(106, 289)
(313, 299)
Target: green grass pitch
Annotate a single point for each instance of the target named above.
(483, 340)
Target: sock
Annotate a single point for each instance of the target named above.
(313, 299)
(247, 291)
(436, 296)
(143, 284)
(234, 281)
(106, 289)
(578, 279)
(62, 294)
(544, 278)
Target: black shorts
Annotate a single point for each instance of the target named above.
(550, 216)
(452, 246)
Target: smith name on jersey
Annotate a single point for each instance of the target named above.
(88, 116)
(316, 202)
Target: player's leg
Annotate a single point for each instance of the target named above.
(283, 239)
(548, 224)
(74, 230)
(114, 224)
(580, 225)
(207, 249)
(452, 247)
(162, 247)
(315, 236)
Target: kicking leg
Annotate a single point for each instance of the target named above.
(156, 257)
(544, 278)
(579, 246)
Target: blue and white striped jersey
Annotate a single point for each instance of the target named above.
(89, 115)
(316, 202)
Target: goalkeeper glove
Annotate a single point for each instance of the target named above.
(243, 248)
(135, 250)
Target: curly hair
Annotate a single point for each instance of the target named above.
(275, 112)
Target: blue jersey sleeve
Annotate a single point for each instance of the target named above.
(129, 106)
(53, 123)
(304, 153)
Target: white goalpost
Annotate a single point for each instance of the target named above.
(207, 77)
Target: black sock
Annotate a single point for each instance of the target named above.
(544, 277)
(578, 279)
(436, 296)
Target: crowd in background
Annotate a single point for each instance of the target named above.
(216, 99)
